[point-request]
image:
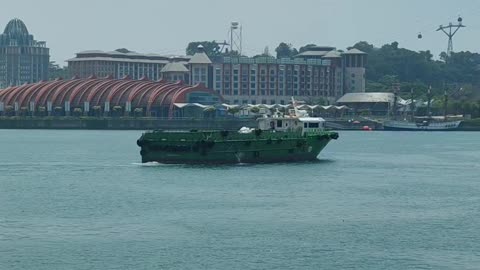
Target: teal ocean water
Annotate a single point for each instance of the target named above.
(374, 200)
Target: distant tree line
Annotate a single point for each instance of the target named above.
(55, 71)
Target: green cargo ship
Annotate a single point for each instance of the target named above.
(277, 139)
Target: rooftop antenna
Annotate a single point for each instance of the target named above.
(235, 37)
(450, 30)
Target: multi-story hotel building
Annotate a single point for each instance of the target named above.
(119, 64)
(320, 73)
(22, 58)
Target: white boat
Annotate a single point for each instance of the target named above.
(422, 126)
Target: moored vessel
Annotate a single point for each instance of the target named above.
(422, 126)
(425, 123)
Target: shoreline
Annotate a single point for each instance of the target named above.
(130, 123)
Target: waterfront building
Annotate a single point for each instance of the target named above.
(175, 71)
(22, 58)
(265, 80)
(107, 97)
(372, 103)
(119, 64)
(354, 62)
(320, 74)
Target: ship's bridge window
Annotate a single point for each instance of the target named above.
(313, 125)
(279, 123)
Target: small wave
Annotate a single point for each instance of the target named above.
(148, 164)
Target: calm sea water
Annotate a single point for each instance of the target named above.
(375, 200)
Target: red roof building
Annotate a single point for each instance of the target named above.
(93, 96)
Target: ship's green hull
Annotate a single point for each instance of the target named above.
(231, 147)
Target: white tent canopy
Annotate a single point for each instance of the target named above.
(184, 105)
(266, 106)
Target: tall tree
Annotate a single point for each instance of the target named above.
(55, 71)
(285, 50)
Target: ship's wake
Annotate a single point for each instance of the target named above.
(149, 164)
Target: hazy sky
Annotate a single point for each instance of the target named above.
(166, 27)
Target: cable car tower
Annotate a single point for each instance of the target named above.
(450, 30)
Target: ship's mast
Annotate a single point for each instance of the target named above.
(412, 104)
(294, 104)
(395, 100)
(445, 104)
(429, 100)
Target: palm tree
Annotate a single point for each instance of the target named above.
(254, 110)
(77, 112)
(117, 110)
(97, 110)
(209, 111)
(138, 112)
(233, 110)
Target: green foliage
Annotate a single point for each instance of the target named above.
(233, 110)
(77, 112)
(211, 48)
(55, 71)
(392, 64)
(209, 109)
(285, 50)
(138, 112)
(255, 110)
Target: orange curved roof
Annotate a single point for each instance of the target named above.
(98, 91)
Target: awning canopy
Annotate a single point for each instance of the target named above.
(185, 105)
(268, 106)
(320, 107)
